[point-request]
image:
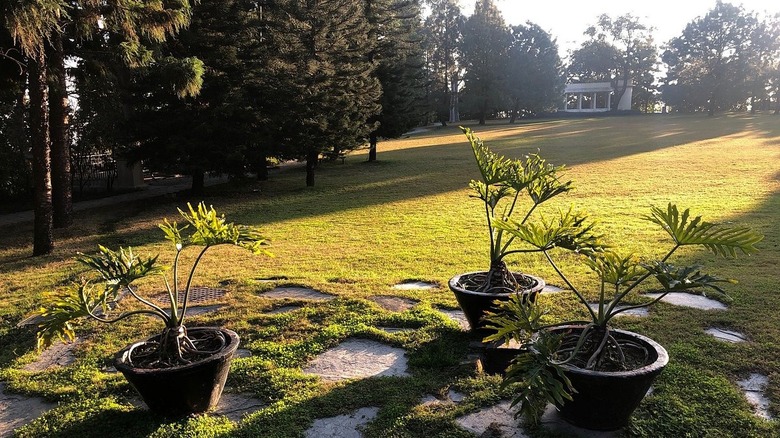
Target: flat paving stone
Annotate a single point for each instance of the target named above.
(242, 353)
(17, 410)
(359, 358)
(726, 335)
(548, 288)
(342, 426)
(236, 406)
(416, 285)
(296, 293)
(457, 316)
(283, 309)
(393, 304)
(754, 387)
(690, 300)
(202, 310)
(498, 419)
(639, 313)
(59, 354)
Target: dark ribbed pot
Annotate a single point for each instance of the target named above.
(606, 400)
(186, 389)
(476, 304)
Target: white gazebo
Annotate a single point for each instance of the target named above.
(594, 97)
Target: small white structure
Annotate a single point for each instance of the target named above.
(595, 97)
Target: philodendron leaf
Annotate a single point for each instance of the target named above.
(119, 268)
(58, 313)
(492, 166)
(210, 228)
(569, 230)
(491, 195)
(719, 239)
(613, 268)
(682, 278)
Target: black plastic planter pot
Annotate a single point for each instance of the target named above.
(182, 390)
(606, 400)
(476, 304)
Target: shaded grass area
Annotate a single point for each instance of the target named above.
(367, 226)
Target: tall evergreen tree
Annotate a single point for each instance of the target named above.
(486, 40)
(394, 28)
(442, 36)
(319, 77)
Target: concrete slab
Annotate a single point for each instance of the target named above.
(416, 285)
(754, 388)
(357, 359)
(393, 304)
(459, 317)
(17, 410)
(639, 313)
(58, 355)
(236, 406)
(548, 288)
(496, 420)
(342, 426)
(690, 300)
(726, 335)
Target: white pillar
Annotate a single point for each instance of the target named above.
(609, 101)
(593, 102)
(579, 101)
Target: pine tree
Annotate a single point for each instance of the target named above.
(394, 27)
(486, 40)
(319, 78)
(442, 37)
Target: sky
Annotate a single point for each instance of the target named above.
(566, 21)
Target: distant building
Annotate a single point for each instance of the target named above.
(595, 97)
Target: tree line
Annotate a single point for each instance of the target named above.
(226, 85)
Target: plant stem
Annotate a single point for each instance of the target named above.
(636, 283)
(571, 286)
(189, 282)
(148, 303)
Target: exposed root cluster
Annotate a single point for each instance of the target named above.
(176, 347)
(601, 351)
(499, 279)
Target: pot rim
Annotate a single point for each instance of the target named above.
(226, 352)
(658, 364)
(454, 286)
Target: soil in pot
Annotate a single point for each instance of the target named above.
(475, 303)
(175, 391)
(607, 396)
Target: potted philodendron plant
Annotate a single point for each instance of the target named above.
(507, 188)
(594, 373)
(181, 370)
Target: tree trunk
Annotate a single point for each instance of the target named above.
(311, 164)
(482, 112)
(372, 140)
(60, 150)
(198, 181)
(43, 242)
(262, 167)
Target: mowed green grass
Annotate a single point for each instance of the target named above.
(367, 226)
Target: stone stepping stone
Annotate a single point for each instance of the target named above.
(394, 330)
(242, 353)
(17, 410)
(726, 335)
(639, 313)
(548, 288)
(459, 317)
(498, 419)
(452, 397)
(415, 285)
(393, 304)
(358, 358)
(236, 406)
(59, 354)
(283, 309)
(342, 426)
(754, 388)
(296, 293)
(690, 300)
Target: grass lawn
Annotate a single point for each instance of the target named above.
(367, 226)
